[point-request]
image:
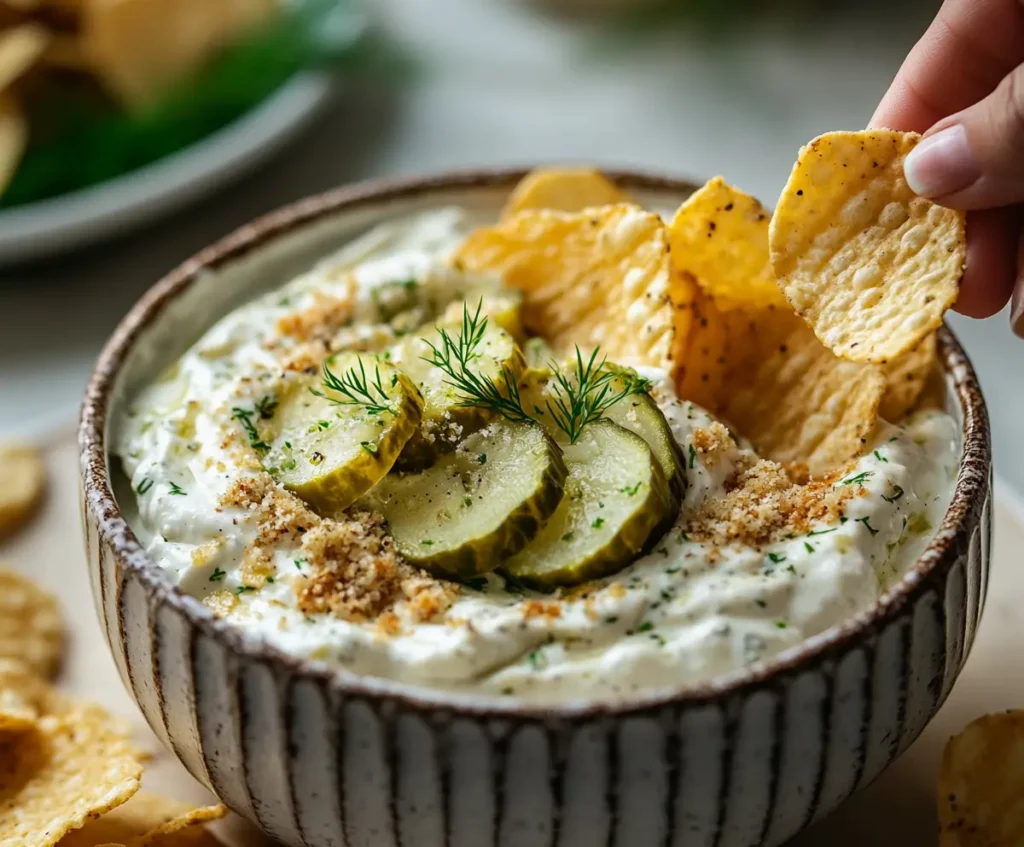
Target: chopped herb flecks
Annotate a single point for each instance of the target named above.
(598, 523)
(244, 417)
(369, 447)
(177, 489)
(217, 575)
(631, 490)
(880, 457)
(144, 485)
(857, 479)
(897, 492)
(867, 523)
(693, 455)
(243, 589)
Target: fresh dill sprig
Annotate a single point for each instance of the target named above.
(584, 396)
(244, 417)
(357, 389)
(454, 355)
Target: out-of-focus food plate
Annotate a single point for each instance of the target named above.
(48, 227)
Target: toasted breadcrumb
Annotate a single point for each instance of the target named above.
(764, 504)
(540, 609)
(355, 575)
(319, 321)
(712, 442)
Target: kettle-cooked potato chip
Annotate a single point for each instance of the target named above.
(139, 47)
(20, 48)
(22, 696)
(70, 768)
(867, 263)
(563, 190)
(720, 236)
(906, 378)
(147, 819)
(764, 371)
(31, 630)
(599, 277)
(981, 784)
(22, 483)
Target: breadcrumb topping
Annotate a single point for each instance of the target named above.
(712, 442)
(319, 321)
(764, 503)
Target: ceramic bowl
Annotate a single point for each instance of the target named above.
(323, 758)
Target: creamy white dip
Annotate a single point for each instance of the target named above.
(688, 611)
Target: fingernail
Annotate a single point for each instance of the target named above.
(941, 164)
(1017, 309)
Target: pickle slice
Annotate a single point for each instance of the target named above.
(333, 445)
(538, 353)
(636, 412)
(479, 504)
(502, 309)
(640, 414)
(446, 418)
(616, 498)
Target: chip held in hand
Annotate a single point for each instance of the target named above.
(870, 266)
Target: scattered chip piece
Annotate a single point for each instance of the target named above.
(148, 819)
(20, 48)
(22, 481)
(13, 138)
(23, 695)
(568, 190)
(596, 278)
(71, 768)
(906, 378)
(31, 630)
(868, 264)
(981, 783)
(140, 47)
(720, 236)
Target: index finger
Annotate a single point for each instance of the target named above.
(968, 49)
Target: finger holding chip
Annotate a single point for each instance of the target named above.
(870, 266)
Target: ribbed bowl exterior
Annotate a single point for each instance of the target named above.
(324, 759)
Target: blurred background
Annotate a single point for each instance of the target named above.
(134, 132)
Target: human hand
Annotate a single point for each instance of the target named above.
(963, 86)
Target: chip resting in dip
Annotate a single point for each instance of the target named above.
(581, 451)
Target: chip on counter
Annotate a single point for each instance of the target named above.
(23, 695)
(22, 482)
(906, 378)
(563, 190)
(599, 278)
(31, 628)
(148, 819)
(867, 263)
(981, 784)
(720, 236)
(70, 768)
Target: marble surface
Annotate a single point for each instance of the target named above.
(897, 810)
(499, 82)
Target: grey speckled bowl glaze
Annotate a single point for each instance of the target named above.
(320, 757)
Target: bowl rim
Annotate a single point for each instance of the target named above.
(964, 512)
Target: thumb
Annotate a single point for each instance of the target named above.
(975, 158)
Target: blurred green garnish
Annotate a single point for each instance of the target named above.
(87, 139)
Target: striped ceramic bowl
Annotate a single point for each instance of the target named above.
(322, 758)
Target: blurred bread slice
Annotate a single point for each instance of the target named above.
(139, 48)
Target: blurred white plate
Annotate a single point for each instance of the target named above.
(110, 208)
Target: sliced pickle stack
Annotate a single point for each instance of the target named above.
(616, 496)
(478, 504)
(482, 475)
(330, 450)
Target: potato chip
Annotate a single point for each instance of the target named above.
(20, 49)
(140, 47)
(13, 139)
(568, 190)
(764, 371)
(600, 277)
(148, 819)
(906, 378)
(71, 768)
(22, 696)
(67, 52)
(22, 482)
(868, 264)
(720, 236)
(31, 630)
(981, 783)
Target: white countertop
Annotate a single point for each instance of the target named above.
(502, 83)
